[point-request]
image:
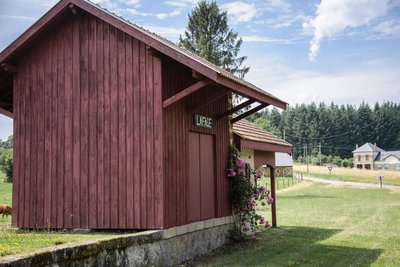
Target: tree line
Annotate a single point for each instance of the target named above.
(335, 129)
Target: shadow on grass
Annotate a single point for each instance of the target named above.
(290, 246)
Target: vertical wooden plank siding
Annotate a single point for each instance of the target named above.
(92, 134)
(76, 126)
(100, 124)
(16, 153)
(88, 130)
(177, 125)
(68, 126)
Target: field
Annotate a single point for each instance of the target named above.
(14, 241)
(323, 225)
(347, 174)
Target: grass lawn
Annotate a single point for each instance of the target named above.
(352, 175)
(323, 225)
(14, 240)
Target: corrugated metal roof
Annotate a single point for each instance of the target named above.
(368, 147)
(385, 154)
(283, 160)
(249, 131)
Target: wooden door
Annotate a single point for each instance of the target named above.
(201, 177)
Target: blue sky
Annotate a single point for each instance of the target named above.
(341, 51)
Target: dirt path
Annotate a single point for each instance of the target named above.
(355, 184)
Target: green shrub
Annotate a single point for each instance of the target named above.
(6, 164)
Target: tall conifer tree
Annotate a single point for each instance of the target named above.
(209, 36)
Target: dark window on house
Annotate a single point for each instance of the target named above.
(359, 158)
(366, 157)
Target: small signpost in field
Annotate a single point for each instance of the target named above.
(380, 178)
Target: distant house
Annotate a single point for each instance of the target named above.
(371, 157)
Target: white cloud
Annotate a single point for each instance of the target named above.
(283, 21)
(278, 5)
(134, 12)
(165, 31)
(264, 39)
(388, 28)
(240, 11)
(333, 17)
(107, 4)
(342, 88)
(132, 2)
(181, 3)
(168, 15)
(116, 6)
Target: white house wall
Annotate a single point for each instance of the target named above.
(248, 156)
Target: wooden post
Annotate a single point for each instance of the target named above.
(273, 195)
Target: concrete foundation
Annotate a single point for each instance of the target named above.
(158, 248)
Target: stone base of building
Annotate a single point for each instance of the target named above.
(157, 247)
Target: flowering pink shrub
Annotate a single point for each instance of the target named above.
(240, 163)
(231, 173)
(244, 197)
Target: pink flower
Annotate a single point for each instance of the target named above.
(231, 173)
(262, 220)
(240, 163)
(263, 189)
(262, 196)
(256, 238)
(270, 201)
(240, 171)
(263, 203)
(246, 229)
(267, 225)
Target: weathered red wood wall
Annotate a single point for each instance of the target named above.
(88, 130)
(177, 124)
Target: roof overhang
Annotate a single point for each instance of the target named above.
(162, 45)
(263, 146)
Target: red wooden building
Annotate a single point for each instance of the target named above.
(114, 126)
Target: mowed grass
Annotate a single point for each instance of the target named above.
(13, 240)
(323, 225)
(348, 174)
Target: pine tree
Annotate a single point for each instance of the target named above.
(209, 36)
